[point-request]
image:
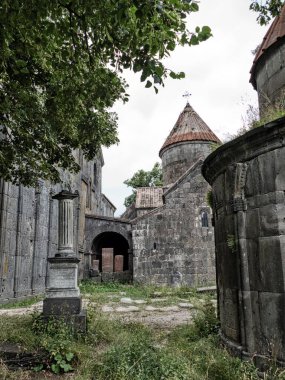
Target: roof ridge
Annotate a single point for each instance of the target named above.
(189, 127)
(273, 34)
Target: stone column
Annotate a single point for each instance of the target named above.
(65, 223)
(62, 294)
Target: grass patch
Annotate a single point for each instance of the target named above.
(23, 303)
(18, 329)
(114, 350)
(113, 292)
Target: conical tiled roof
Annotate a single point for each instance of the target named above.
(189, 127)
(274, 33)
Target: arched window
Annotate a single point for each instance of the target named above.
(204, 219)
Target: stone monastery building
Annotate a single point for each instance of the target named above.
(166, 237)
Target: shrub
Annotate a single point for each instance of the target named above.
(56, 339)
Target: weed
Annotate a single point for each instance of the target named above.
(271, 111)
(215, 146)
(17, 329)
(56, 339)
(140, 359)
(116, 350)
(210, 198)
(231, 243)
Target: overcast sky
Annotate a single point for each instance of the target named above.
(217, 76)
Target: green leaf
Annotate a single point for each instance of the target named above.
(58, 64)
(38, 368)
(69, 356)
(66, 367)
(194, 7)
(55, 368)
(194, 40)
(58, 357)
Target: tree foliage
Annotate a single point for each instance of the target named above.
(143, 179)
(60, 68)
(266, 10)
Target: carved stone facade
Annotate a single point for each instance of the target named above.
(248, 179)
(166, 236)
(29, 227)
(173, 244)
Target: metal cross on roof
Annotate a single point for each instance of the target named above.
(187, 95)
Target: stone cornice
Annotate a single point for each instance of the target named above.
(260, 140)
(108, 218)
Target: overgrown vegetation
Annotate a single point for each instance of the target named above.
(271, 112)
(114, 350)
(232, 243)
(210, 198)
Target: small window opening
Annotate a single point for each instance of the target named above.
(204, 219)
(154, 246)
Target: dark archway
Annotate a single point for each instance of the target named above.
(111, 240)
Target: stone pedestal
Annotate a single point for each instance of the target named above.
(63, 295)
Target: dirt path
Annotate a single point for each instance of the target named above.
(157, 312)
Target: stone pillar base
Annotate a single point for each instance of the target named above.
(63, 300)
(63, 305)
(77, 322)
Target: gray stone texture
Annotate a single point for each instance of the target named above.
(250, 242)
(270, 74)
(29, 227)
(177, 159)
(170, 246)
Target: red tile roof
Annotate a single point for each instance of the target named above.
(189, 127)
(149, 197)
(274, 33)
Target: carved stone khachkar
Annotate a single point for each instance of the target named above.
(63, 295)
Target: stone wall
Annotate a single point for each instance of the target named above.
(107, 233)
(107, 208)
(177, 159)
(28, 228)
(170, 246)
(248, 179)
(269, 75)
(96, 225)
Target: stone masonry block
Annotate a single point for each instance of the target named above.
(269, 220)
(119, 263)
(107, 260)
(267, 172)
(271, 307)
(280, 169)
(95, 264)
(270, 261)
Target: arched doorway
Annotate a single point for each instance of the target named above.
(111, 240)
